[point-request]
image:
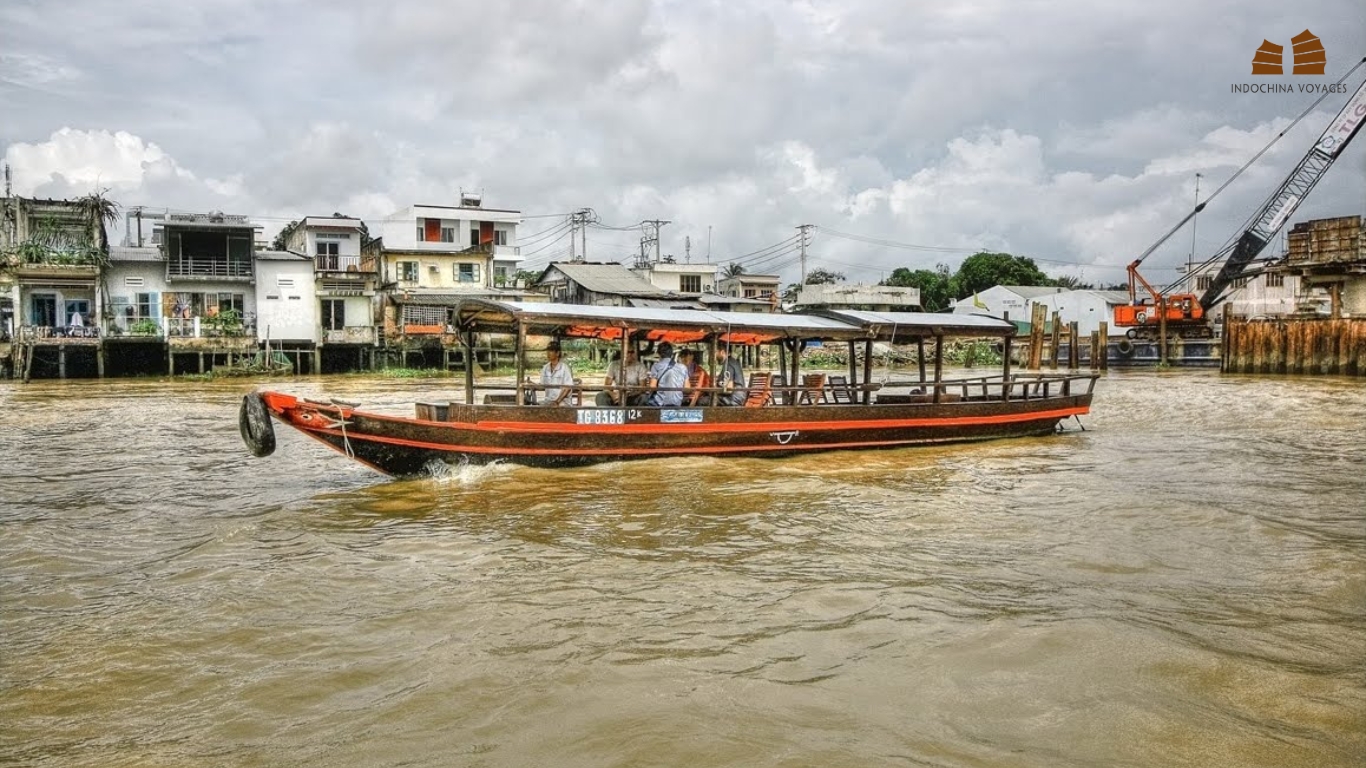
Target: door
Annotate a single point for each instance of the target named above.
(44, 310)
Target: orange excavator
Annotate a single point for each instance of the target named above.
(1187, 314)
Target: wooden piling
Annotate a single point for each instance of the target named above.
(1055, 338)
(1073, 348)
(1104, 334)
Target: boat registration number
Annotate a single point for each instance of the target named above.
(606, 415)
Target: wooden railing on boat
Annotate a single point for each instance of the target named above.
(768, 389)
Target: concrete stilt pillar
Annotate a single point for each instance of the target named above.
(61, 362)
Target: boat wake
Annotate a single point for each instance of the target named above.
(465, 473)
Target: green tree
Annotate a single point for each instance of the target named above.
(984, 270)
(733, 270)
(281, 241)
(936, 285)
(823, 277)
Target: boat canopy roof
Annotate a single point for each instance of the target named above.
(689, 325)
(898, 327)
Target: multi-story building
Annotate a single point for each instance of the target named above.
(51, 300)
(346, 282)
(429, 256)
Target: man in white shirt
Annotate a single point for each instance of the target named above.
(556, 377)
(626, 378)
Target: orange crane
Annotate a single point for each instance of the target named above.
(1185, 313)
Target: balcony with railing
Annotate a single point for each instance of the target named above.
(351, 334)
(331, 262)
(209, 268)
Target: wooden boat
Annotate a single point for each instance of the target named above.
(817, 412)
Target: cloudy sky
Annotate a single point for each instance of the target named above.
(909, 133)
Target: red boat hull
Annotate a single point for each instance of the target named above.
(559, 437)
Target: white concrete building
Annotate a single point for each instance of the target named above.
(286, 301)
(1000, 300)
(1087, 308)
(679, 278)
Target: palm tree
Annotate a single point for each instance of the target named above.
(733, 269)
(98, 212)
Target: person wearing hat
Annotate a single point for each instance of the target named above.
(667, 378)
(556, 376)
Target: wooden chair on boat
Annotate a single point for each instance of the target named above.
(840, 393)
(760, 392)
(813, 389)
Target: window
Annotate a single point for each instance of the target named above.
(1275, 280)
(500, 237)
(467, 273)
(448, 234)
(690, 283)
(407, 271)
(420, 232)
(328, 248)
(474, 234)
(334, 314)
(1240, 282)
(751, 293)
(1203, 282)
(146, 302)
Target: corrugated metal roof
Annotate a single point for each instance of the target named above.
(1034, 291)
(606, 278)
(281, 256)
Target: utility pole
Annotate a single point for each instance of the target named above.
(687, 249)
(573, 232)
(583, 230)
(656, 224)
(804, 228)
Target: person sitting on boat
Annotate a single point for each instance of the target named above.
(667, 379)
(732, 378)
(556, 376)
(625, 381)
(699, 381)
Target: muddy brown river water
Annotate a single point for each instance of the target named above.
(1183, 584)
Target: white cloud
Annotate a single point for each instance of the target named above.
(1062, 130)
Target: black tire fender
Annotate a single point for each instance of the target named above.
(254, 422)
(1125, 347)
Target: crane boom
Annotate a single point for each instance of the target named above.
(1292, 192)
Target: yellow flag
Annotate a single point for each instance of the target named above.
(976, 302)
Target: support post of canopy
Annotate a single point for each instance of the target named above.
(867, 371)
(1006, 368)
(469, 367)
(792, 380)
(710, 397)
(938, 366)
(853, 365)
(920, 356)
(520, 351)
